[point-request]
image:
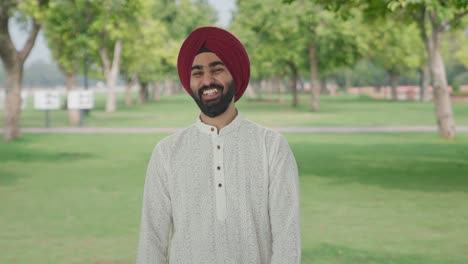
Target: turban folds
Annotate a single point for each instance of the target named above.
(225, 45)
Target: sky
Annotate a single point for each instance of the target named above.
(41, 52)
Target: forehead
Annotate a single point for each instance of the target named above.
(205, 58)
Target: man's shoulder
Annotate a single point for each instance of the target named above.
(267, 133)
(168, 142)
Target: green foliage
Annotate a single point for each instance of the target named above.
(276, 34)
(111, 21)
(77, 29)
(35, 9)
(151, 49)
(461, 53)
(341, 43)
(66, 33)
(460, 79)
(395, 46)
(446, 13)
(145, 47)
(271, 35)
(366, 73)
(183, 16)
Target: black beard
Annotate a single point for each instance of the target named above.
(214, 109)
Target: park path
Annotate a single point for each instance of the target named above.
(321, 129)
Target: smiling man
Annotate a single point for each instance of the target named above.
(223, 190)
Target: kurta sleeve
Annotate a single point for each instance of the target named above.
(284, 204)
(156, 217)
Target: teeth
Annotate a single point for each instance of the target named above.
(210, 91)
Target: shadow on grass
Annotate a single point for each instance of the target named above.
(8, 177)
(18, 153)
(410, 166)
(333, 254)
(34, 155)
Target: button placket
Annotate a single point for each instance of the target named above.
(219, 184)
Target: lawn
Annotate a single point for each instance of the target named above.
(365, 198)
(180, 110)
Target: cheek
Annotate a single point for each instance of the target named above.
(193, 85)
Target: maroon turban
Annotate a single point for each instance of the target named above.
(225, 45)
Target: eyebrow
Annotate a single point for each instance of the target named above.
(215, 63)
(211, 65)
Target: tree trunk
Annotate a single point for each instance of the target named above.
(169, 87)
(424, 81)
(73, 114)
(250, 91)
(156, 92)
(443, 105)
(131, 82)
(314, 83)
(293, 83)
(128, 91)
(144, 93)
(263, 88)
(12, 111)
(323, 86)
(111, 72)
(13, 61)
(270, 87)
(258, 90)
(282, 90)
(333, 87)
(393, 79)
(347, 79)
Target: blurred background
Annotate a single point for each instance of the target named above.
(371, 95)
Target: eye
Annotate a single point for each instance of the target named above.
(196, 73)
(218, 70)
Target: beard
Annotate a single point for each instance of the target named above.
(216, 108)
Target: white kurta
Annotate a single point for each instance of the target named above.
(231, 197)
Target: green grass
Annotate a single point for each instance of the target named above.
(180, 111)
(365, 198)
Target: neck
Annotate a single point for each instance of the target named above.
(222, 120)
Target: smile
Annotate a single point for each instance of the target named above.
(210, 91)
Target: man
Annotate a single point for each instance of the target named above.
(224, 190)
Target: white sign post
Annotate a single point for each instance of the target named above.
(80, 100)
(24, 99)
(47, 100)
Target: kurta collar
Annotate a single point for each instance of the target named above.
(212, 130)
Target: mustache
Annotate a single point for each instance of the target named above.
(210, 86)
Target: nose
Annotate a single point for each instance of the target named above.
(207, 78)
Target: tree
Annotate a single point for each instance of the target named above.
(271, 34)
(395, 47)
(296, 36)
(65, 30)
(32, 14)
(180, 18)
(108, 30)
(161, 48)
(440, 16)
(461, 53)
(434, 18)
(333, 42)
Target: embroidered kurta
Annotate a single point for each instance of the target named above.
(228, 196)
